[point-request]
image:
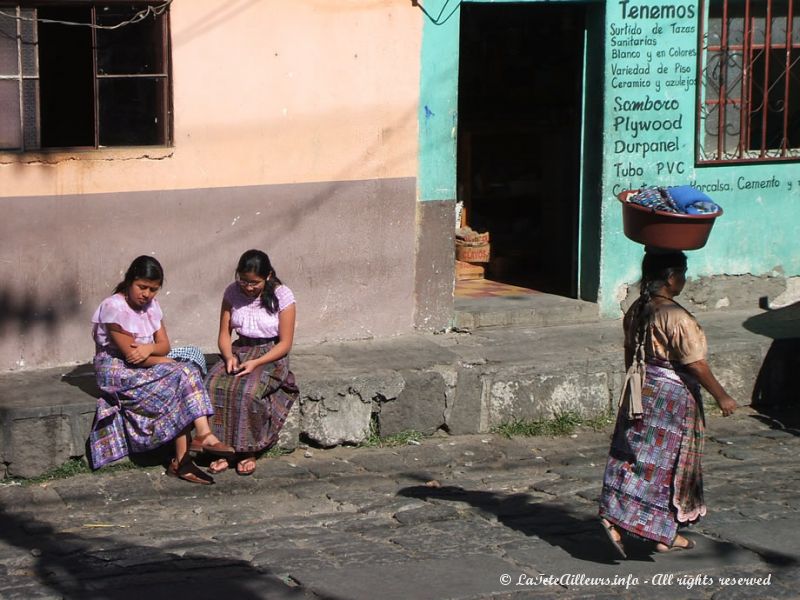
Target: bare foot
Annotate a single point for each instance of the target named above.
(218, 466)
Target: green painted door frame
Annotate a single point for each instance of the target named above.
(438, 123)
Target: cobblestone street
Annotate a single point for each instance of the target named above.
(454, 517)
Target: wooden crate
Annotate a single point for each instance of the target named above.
(466, 271)
(472, 253)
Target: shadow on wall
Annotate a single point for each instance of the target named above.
(293, 230)
(774, 392)
(109, 567)
(211, 20)
(29, 310)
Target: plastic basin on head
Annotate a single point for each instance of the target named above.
(671, 231)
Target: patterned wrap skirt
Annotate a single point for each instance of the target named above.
(142, 408)
(249, 411)
(653, 479)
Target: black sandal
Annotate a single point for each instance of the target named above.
(188, 471)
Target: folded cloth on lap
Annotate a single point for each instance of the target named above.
(190, 354)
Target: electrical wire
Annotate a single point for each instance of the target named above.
(156, 11)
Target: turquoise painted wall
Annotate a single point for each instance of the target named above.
(649, 124)
(648, 121)
(438, 102)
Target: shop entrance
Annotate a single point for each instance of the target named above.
(519, 138)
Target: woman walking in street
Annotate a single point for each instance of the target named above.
(653, 479)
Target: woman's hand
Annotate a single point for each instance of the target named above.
(154, 360)
(138, 353)
(247, 367)
(727, 405)
(702, 372)
(231, 365)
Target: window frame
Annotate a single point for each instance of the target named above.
(743, 152)
(164, 112)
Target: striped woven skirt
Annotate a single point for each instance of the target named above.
(249, 411)
(143, 408)
(653, 479)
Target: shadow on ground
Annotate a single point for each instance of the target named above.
(581, 537)
(103, 568)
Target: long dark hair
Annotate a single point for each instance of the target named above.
(256, 261)
(657, 267)
(142, 267)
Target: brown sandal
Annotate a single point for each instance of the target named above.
(188, 471)
(674, 548)
(244, 470)
(218, 448)
(616, 540)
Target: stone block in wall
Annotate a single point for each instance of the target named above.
(615, 381)
(463, 414)
(37, 444)
(377, 383)
(289, 435)
(81, 426)
(336, 407)
(340, 419)
(419, 407)
(519, 395)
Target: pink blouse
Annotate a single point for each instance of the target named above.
(115, 309)
(251, 319)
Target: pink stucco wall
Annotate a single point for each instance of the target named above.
(295, 132)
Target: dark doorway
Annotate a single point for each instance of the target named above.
(519, 138)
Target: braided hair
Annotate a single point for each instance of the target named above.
(657, 267)
(256, 261)
(142, 267)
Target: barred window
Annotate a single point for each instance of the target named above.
(749, 100)
(69, 80)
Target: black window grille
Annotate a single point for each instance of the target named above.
(749, 97)
(78, 86)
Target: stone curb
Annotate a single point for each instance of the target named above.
(459, 383)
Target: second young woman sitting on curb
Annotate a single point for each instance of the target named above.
(252, 388)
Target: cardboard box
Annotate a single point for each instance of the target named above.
(472, 253)
(467, 272)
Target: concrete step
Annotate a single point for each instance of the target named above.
(539, 310)
(457, 382)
